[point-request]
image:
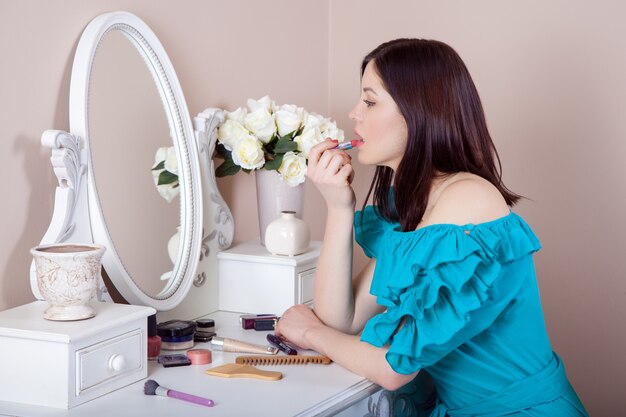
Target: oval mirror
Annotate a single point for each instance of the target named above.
(126, 103)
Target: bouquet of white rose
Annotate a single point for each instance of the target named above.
(165, 173)
(266, 136)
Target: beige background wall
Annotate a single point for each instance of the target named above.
(552, 76)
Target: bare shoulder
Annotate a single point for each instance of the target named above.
(469, 199)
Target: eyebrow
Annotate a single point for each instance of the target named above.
(365, 89)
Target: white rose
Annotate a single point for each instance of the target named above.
(293, 169)
(310, 137)
(311, 120)
(231, 132)
(160, 155)
(329, 130)
(288, 118)
(171, 162)
(261, 123)
(237, 115)
(248, 153)
(264, 103)
(168, 192)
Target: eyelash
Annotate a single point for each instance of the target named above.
(368, 103)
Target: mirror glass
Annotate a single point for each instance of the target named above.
(127, 124)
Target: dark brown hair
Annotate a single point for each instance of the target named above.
(447, 130)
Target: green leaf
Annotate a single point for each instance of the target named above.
(223, 152)
(289, 136)
(166, 177)
(161, 165)
(228, 167)
(275, 163)
(285, 145)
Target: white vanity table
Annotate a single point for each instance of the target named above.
(304, 390)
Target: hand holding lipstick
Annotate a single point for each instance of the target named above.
(330, 169)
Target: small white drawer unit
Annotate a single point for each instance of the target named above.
(252, 280)
(63, 364)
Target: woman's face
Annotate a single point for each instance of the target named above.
(379, 123)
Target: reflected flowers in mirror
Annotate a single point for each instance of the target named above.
(263, 135)
(165, 173)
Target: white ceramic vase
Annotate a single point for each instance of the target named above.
(275, 196)
(287, 235)
(67, 277)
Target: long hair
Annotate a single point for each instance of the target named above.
(447, 130)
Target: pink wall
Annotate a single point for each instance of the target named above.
(551, 76)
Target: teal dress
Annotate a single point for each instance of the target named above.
(462, 303)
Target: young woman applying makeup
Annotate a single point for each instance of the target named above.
(451, 286)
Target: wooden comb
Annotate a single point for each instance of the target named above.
(282, 360)
(236, 370)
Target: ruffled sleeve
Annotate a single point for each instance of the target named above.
(369, 227)
(435, 281)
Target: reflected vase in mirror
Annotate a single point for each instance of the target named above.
(67, 276)
(173, 245)
(275, 196)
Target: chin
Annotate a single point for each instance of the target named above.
(365, 159)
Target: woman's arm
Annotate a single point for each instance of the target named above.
(340, 301)
(300, 326)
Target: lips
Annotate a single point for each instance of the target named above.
(359, 137)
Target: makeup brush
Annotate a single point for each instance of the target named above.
(151, 387)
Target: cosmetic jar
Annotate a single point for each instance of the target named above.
(205, 325)
(199, 356)
(176, 334)
(154, 340)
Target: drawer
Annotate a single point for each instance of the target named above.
(108, 360)
(306, 280)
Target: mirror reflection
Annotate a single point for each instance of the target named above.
(127, 124)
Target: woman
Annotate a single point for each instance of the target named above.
(450, 287)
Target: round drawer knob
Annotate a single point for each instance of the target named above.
(116, 362)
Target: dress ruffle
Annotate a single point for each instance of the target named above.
(433, 278)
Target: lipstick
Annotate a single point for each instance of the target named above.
(349, 145)
(274, 340)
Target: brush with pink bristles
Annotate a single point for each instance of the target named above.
(151, 387)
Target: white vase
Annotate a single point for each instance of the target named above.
(172, 246)
(67, 277)
(287, 235)
(274, 196)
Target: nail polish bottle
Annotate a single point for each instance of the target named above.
(154, 340)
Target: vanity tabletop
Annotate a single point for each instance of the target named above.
(304, 390)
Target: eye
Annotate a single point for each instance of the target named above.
(368, 103)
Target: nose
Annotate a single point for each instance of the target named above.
(355, 114)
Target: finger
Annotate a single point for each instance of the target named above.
(335, 164)
(316, 151)
(351, 175)
(329, 158)
(347, 172)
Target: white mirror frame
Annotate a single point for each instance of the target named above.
(77, 215)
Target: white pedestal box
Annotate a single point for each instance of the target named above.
(252, 280)
(63, 364)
